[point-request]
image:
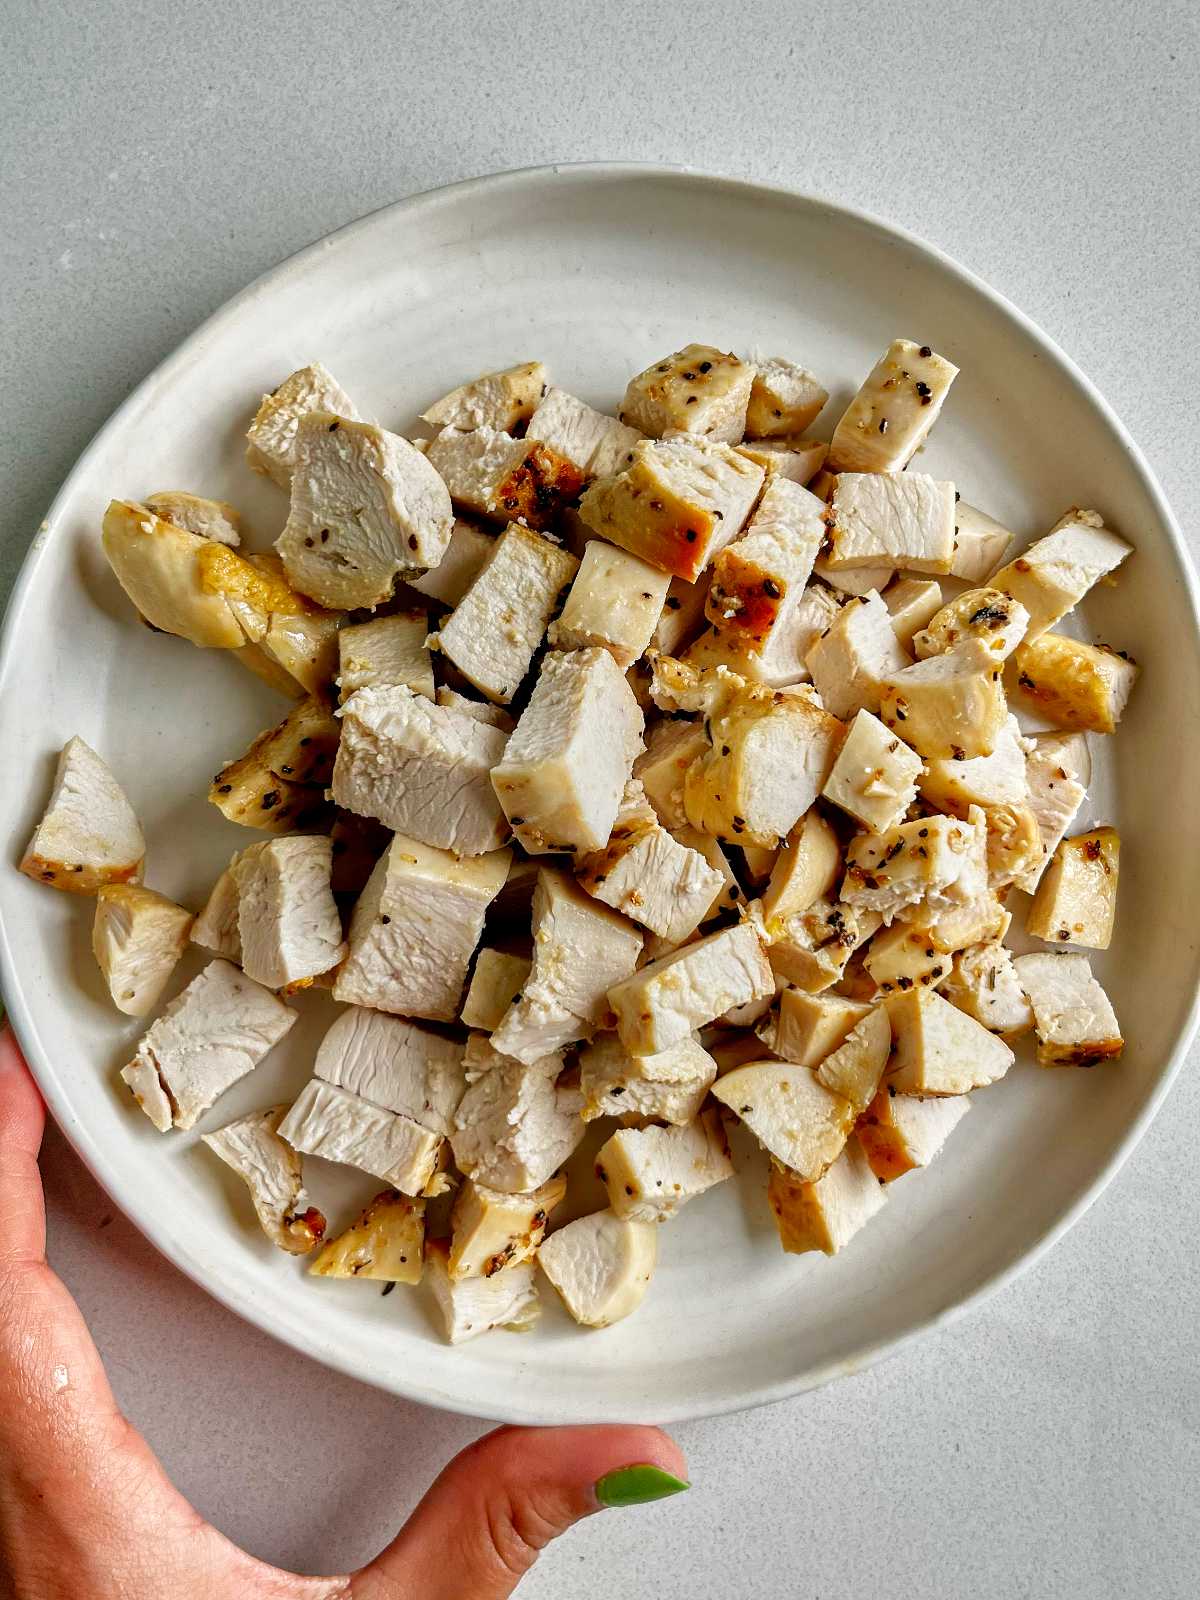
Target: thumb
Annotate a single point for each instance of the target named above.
(503, 1499)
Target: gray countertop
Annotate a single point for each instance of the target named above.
(153, 159)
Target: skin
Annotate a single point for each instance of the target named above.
(87, 1513)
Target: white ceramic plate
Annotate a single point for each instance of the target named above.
(596, 271)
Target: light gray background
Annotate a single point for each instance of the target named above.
(154, 158)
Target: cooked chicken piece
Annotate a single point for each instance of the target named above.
(984, 984)
(515, 1125)
(811, 948)
(415, 928)
(648, 875)
(596, 444)
(340, 1126)
(806, 868)
(496, 400)
(161, 567)
(759, 579)
(1069, 750)
(1073, 684)
(1076, 900)
(389, 651)
(903, 955)
(278, 784)
(1055, 793)
(469, 548)
(490, 474)
(88, 835)
(781, 664)
(671, 747)
(210, 1036)
(911, 602)
(288, 923)
(855, 657)
(889, 418)
(667, 1087)
(971, 922)
(898, 1132)
(357, 844)
(138, 937)
(210, 519)
(615, 603)
(565, 767)
(809, 1027)
(471, 1306)
(980, 544)
(497, 981)
(891, 519)
(698, 390)
(385, 1244)
(1075, 1022)
(396, 1064)
(272, 1172)
(795, 1118)
(875, 776)
(728, 897)
(272, 435)
(938, 860)
(367, 508)
(651, 1172)
(795, 456)
(855, 1068)
(492, 1231)
(667, 1000)
(992, 617)
(854, 581)
(216, 928)
(1056, 571)
(825, 1215)
(421, 769)
(580, 949)
(676, 504)
(994, 780)
(784, 398)
(303, 646)
(601, 1266)
(940, 1050)
(1014, 846)
(950, 706)
(682, 614)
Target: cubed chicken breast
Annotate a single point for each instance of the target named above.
(272, 446)
(601, 1266)
(460, 565)
(806, 868)
(209, 1037)
(272, 1172)
(875, 776)
(809, 1027)
(278, 785)
(289, 928)
(784, 398)
(698, 390)
(811, 948)
(758, 580)
(1055, 793)
(388, 652)
(515, 1125)
(396, 1064)
(496, 400)
(993, 780)
(1075, 1022)
(138, 937)
(596, 444)
(471, 1306)
(891, 519)
(422, 769)
(890, 417)
(795, 1118)
(671, 747)
(855, 657)
(210, 519)
(856, 581)
(826, 1214)
(565, 767)
(980, 544)
(490, 474)
(903, 955)
(793, 456)
(911, 602)
(898, 1132)
(415, 928)
(985, 985)
(302, 645)
(855, 1068)
(1014, 844)
(1055, 572)
(940, 1050)
(614, 603)
(88, 835)
(340, 1126)
(676, 504)
(951, 706)
(1075, 685)
(384, 1244)
(650, 1173)
(670, 998)
(367, 508)
(990, 616)
(649, 876)
(1076, 900)
(496, 982)
(667, 1087)
(938, 860)
(728, 897)
(491, 1230)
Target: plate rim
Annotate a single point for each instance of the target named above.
(95, 1159)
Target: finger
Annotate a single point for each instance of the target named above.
(498, 1504)
(22, 1120)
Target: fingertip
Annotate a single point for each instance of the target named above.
(582, 1458)
(22, 1111)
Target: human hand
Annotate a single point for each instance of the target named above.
(87, 1513)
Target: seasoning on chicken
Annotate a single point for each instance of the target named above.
(88, 835)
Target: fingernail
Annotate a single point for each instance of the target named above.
(635, 1486)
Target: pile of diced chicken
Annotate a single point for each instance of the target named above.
(665, 770)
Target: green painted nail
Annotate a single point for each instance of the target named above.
(634, 1486)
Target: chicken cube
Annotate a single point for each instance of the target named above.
(809, 1027)
(496, 982)
(601, 1266)
(1076, 900)
(728, 897)
(565, 767)
(667, 1087)
(386, 652)
(856, 656)
(994, 780)
(950, 706)
(1076, 685)
(302, 645)
(897, 519)
(980, 544)
(672, 997)
(903, 955)
(1075, 1022)
(596, 444)
(758, 580)
(137, 938)
(421, 769)
(492, 1231)
(271, 1170)
(515, 1125)
(889, 418)
(654, 880)
(385, 1244)
(992, 617)
(210, 519)
(615, 603)
(216, 927)
(415, 928)
(490, 474)
(784, 398)
(278, 785)
(88, 835)
(855, 1068)
(940, 1050)
(811, 948)
(938, 860)
(671, 747)
(496, 400)
(856, 581)
(898, 1132)
(289, 928)
(676, 504)
(826, 1214)
(580, 949)
(794, 1117)
(805, 869)
(682, 615)
(341, 1126)
(875, 776)
(1055, 794)
(984, 984)
(650, 1173)
(208, 1038)
(911, 602)
(1055, 572)
(781, 662)
(464, 557)
(697, 390)
(471, 1306)
(272, 447)
(794, 456)
(394, 1063)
